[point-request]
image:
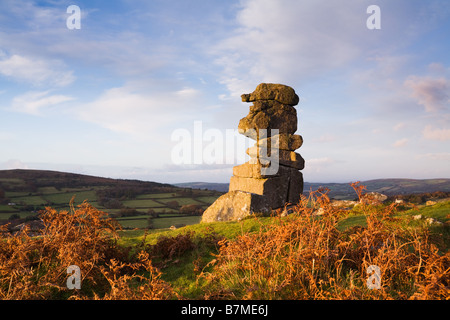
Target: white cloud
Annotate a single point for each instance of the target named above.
(443, 156)
(399, 126)
(134, 112)
(400, 143)
(431, 133)
(318, 164)
(437, 68)
(37, 72)
(432, 93)
(324, 138)
(34, 102)
(286, 41)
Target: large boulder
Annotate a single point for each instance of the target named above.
(274, 189)
(272, 91)
(281, 141)
(280, 117)
(373, 198)
(236, 205)
(295, 185)
(285, 157)
(258, 171)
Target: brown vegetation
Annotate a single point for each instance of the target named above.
(302, 256)
(36, 267)
(305, 256)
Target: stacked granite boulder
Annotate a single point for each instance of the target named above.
(271, 179)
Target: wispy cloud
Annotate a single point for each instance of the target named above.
(34, 102)
(282, 41)
(432, 93)
(400, 143)
(139, 113)
(142, 69)
(324, 138)
(318, 164)
(431, 133)
(399, 126)
(34, 71)
(440, 156)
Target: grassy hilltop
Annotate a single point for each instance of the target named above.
(319, 252)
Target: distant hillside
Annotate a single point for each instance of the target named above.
(29, 180)
(133, 203)
(344, 190)
(389, 187)
(222, 187)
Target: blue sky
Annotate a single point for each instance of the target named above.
(105, 99)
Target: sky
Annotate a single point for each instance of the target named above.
(150, 90)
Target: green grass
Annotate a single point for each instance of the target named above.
(144, 203)
(351, 221)
(156, 196)
(133, 223)
(49, 190)
(161, 223)
(64, 198)
(229, 230)
(181, 201)
(6, 208)
(158, 223)
(165, 209)
(31, 200)
(13, 194)
(439, 211)
(207, 199)
(169, 215)
(179, 272)
(60, 199)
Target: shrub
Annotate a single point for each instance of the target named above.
(36, 267)
(191, 209)
(128, 212)
(14, 216)
(173, 204)
(304, 256)
(169, 247)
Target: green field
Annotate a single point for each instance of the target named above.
(162, 223)
(49, 196)
(156, 196)
(64, 198)
(6, 208)
(30, 200)
(182, 201)
(31, 191)
(143, 203)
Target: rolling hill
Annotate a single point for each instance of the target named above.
(134, 203)
(221, 187)
(146, 204)
(388, 187)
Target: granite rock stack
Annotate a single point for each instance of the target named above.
(272, 177)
